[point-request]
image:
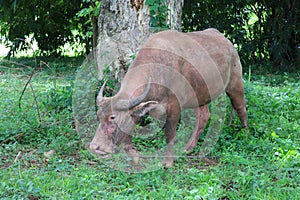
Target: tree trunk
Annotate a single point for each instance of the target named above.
(95, 31)
(174, 15)
(123, 27)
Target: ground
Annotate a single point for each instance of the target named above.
(43, 157)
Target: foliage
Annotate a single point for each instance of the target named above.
(89, 19)
(262, 163)
(159, 14)
(50, 22)
(264, 31)
(58, 99)
(92, 9)
(45, 108)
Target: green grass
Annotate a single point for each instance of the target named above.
(263, 163)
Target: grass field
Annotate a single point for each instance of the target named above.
(42, 156)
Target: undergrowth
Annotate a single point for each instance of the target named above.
(42, 156)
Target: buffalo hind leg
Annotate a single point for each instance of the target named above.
(236, 95)
(202, 115)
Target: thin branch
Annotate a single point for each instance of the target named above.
(10, 138)
(54, 79)
(36, 104)
(30, 77)
(24, 89)
(20, 64)
(17, 157)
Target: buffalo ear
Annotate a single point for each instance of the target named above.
(143, 108)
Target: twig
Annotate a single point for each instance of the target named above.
(4, 67)
(36, 104)
(15, 137)
(20, 64)
(54, 80)
(91, 162)
(24, 89)
(17, 157)
(30, 77)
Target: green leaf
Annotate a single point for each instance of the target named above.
(149, 2)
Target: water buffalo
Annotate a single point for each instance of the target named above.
(171, 72)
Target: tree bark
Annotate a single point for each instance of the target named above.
(174, 15)
(123, 27)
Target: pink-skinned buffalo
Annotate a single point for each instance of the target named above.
(172, 71)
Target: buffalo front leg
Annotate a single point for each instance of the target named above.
(202, 115)
(131, 152)
(173, 112)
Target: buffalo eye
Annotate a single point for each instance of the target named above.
(112, 118)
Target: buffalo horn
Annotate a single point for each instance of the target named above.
(125, 104)
(100, 95)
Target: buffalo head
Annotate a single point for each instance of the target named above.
(117, 118)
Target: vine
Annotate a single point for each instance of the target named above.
(159, 14)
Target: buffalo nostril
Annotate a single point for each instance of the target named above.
(94, 147)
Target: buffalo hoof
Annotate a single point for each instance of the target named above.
(167, 162)
(189, 147)
(133, 154)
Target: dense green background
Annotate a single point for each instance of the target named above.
(266, 33)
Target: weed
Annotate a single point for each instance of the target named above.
(45, 159)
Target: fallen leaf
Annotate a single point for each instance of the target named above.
(49, 154)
